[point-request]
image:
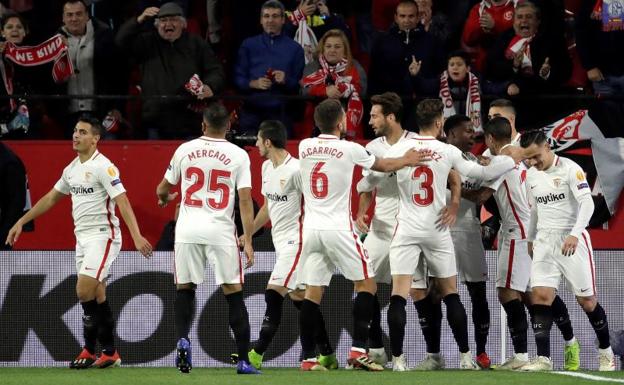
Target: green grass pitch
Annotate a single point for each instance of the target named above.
(221, 376)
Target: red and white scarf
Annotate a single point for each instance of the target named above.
(518, 43)
(473, 99)
(54, 49)
(610, 14)
(488, 3)
(343, 82)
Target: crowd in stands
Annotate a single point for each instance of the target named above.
(277, 60)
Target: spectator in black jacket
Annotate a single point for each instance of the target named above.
(168, 57)
(394, 51)
(601, 50)
(13, 192)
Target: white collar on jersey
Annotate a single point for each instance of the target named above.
(327, 136)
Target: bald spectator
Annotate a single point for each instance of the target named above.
(168, 57)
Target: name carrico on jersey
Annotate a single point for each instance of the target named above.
(321, 150)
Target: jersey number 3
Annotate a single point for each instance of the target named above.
(424, 195)
(214, 185)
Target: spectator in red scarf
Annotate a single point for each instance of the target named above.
(335, 74)
(457, 86)
(526, 60)
(486, 21)
(14, 30)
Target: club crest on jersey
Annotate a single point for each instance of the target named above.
(88, 176)
(282, 183)
(112, 171)
(557, 182)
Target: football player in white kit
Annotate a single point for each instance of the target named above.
(285, 211)
(504, 108)
(561, 207)
(514, 263)
(211, 171)
(470, 255)
(329, 241)
(95, 187)
(385, 119)
(422, 195)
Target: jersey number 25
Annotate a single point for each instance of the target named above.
(214, 185)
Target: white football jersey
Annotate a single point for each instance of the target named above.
(327, 165)
(511, 199)
(285, 209)
(386, 191)
(93, 186)
(467, 213)
(211, 170)
(555, 192)
(514, 142)
(422, 189)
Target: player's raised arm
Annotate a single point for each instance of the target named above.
(44, 204)
(497, 167)
(411, 158)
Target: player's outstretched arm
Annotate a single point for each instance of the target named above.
(141, 244)
(44, 204)
(411, 158)
(163, 192)
(245, 205)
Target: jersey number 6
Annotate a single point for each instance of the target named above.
(214, 185)
(319, 182)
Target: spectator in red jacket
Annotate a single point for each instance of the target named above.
(486, 21)
(335, 74)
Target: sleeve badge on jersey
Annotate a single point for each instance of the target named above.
(115, 182)
(583, 185)
(112, 171)
(580, 175)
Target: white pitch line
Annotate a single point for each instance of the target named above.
(590, 377)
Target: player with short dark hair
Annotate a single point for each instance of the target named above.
(561, 207)
(211, 171)
(95, 187)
